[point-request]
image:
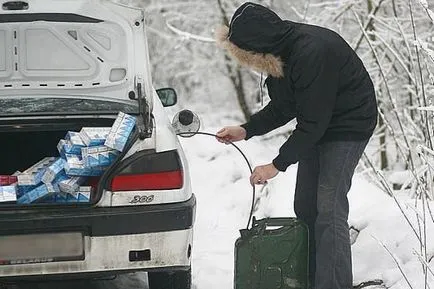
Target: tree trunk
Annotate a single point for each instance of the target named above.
(384, 162)
(234, 72)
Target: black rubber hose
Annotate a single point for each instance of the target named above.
(189, 134)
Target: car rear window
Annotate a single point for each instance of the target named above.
(63, 106)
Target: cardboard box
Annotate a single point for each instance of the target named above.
(98, 156)
(94, 136)
(120, 131)
(33, 175)
(8, 193)
(53, 170)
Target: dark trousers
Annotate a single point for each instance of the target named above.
(323, 181)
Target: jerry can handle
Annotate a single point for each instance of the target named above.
(279, 221)
(261, 225)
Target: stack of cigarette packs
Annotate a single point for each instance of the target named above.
(83, 154)
(120, 132)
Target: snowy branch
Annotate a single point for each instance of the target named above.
(395, 259)
(188, 35)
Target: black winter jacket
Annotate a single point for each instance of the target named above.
(325, 85)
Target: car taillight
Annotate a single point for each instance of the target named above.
(149, 171)
(155, 181)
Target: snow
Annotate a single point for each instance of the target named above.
(427, 108)
(220, 182)
(399, 177)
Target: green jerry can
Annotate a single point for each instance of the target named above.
(273, 254)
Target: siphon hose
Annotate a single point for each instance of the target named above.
(190, 134)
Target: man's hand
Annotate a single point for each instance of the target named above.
(231, 134)
(261, 174)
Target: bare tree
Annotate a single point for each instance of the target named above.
(234, 71)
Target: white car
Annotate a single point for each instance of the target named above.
(68, 64)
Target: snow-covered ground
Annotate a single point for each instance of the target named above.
(220, 182)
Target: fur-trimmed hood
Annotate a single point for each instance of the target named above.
(263, 62)
(258, 38)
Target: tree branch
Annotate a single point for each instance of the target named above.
(371, 19)
(187, 34)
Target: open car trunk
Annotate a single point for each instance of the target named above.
(25, 143)
(23, 147)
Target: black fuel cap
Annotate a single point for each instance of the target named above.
(186, 117)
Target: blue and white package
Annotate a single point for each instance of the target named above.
(61, 148)
(73, 163)
(49, 199)
(72, 198)
(71, 157)
(66, 147)
(74, 138)
(72, 144)
(22, 190)
(120, 131)
(33, 175)
(98, 156)
(81, 196)
(87, 171)
(8, 193)
(59, 179)
(53, 170)
(84, 194)
(59, 198)
(75, 167)
(71, 185)
(37, 194)
(94, 136)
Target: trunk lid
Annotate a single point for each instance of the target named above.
(73, 49)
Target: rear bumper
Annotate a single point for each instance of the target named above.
(111, 235)
(110, 255)
(99, 222)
